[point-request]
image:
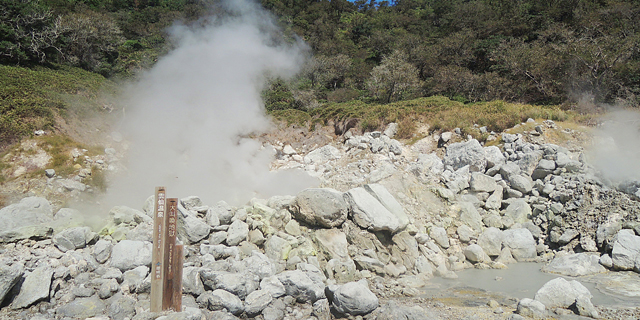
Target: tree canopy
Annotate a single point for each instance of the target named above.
(534, 51)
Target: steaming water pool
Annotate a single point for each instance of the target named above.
(522, 280)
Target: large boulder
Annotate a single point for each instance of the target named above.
(74, 238)
(237, 232)
(333, 243)
(491, 241)
(469, 215)
(521, 243)
(240, 284)
(560, 293)
(323, 207)
(129, 254)
(35, 287)
(353, 298)
(519, 211)
(220, 299)
(482, 183)
(626, 251)
(494, 156)
(192, 229)
(369, 213)
(31, 217)
(575, 265)
(298, 285)
(9, 276)
(468, 153)
(383, 195)
(82, 308)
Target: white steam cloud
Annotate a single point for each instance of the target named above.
(616, 151)
(190, 115)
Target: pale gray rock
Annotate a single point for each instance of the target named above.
(135, 278)
(322, 155)
(606, 232)
(509, 170)
(191, 202)
(240, 284)
(129, 254)
(491, 241)
(122, 307)
(531, 308)
(35, 287)
(191, 281)
(50, 173)
(222, 211)
(626, 251)
(108, 288)
(494, 202)
(82, 308)
(429, 164)
(322, 309)
(192, 228)
(474, 253)
(560, 293)
(9, 276)
(74, 238)
(333, 243)
(298, 285)
(256, 301)
(277, 249)
(30, 217)
(469, 216)
(383, 195)
(126, 215)
(323, 207)
(102, 250)
(439, 235)
(606, 261)
(273, 286)
(237, 232)
(587, 243)
(218, 237)
(519, 211)
(493, 220)
(395, 147)
(259, 264)
(521, 183)
(567, 236)
(468, 153)
(521, 243)
(458, 180)
(482, 183)
(353, 298)
(494, 156)
(529, 161)
(220, 299)
(465, 234)
(545, 167)
(391, 130)
(369, 213)
(575, 265)
(510, 138)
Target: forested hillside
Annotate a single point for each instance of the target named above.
(532, 51)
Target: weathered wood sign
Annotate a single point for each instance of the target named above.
(167, 257)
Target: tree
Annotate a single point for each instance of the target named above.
(327, 71)
(29, 32)
(393, 79)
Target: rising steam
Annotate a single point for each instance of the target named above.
(616, 151)
(189, 116)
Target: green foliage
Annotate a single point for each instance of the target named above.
(30, 98)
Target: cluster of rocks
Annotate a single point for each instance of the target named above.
(399, 220)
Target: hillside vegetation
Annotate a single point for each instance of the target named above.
(371, 59)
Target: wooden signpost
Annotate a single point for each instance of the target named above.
(167, 257)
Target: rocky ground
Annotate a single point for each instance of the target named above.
(387, 218)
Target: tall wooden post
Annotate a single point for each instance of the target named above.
(170, 257)
(157, 268)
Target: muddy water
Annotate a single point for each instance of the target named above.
(522, 280)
